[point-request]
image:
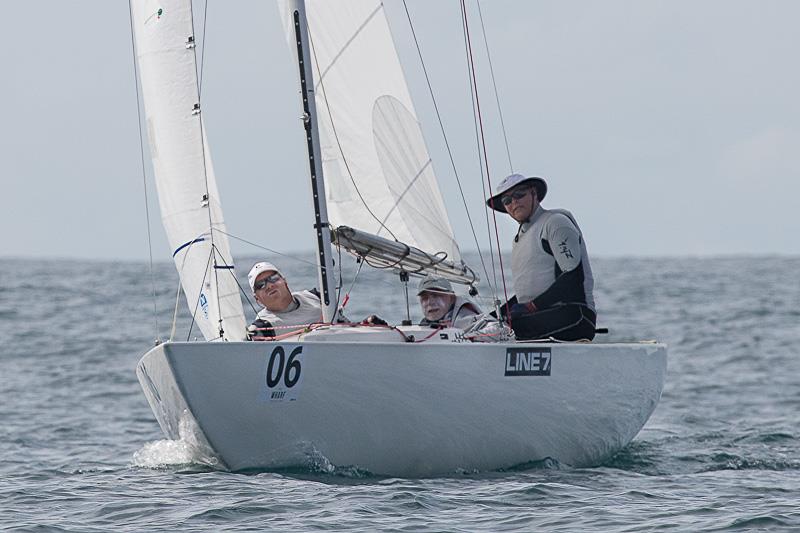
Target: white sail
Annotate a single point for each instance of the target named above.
(377, 170)
(187, 189)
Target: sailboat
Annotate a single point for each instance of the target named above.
(402, 401)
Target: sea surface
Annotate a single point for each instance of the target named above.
(81, 451)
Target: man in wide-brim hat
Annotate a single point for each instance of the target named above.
(552, 278)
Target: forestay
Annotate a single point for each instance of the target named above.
(187, 189)
(378, 174)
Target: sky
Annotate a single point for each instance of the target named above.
(669, 128)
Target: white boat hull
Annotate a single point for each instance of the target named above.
(404, 409)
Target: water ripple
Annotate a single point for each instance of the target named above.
(81, 451)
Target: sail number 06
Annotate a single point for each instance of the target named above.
(280, 367)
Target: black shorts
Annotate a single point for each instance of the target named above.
(566, 322)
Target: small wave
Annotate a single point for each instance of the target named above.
(726, 461)
(316, 466)
(548, 463)
(642, 457)
(776, 437)
(758, 522)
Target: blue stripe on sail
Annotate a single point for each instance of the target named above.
(184, 245)
(223, 267)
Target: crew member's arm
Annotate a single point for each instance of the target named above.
(564, 243)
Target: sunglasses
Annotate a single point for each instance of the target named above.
(516, 195)
(275, 278)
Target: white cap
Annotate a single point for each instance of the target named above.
(508, 183)
(257, 269)
(434, 284)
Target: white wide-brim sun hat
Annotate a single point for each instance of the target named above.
(508, 183)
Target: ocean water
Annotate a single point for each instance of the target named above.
(81, 451)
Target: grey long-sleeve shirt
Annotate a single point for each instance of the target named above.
(549, 262)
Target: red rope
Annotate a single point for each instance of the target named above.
(306, 328)
(483, 146)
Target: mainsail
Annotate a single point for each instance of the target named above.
(187, 190)
(378, 174)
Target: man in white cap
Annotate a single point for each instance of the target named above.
(442, 307)
(550, 266)
(281, 306)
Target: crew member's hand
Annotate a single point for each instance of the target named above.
(524, 308)
(260, 328)
(374, 320)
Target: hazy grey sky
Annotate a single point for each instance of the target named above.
(667, 127)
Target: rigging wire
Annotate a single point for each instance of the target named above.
(207, 198)
(300, 260)
(270, 250)
(483, 142)
(292, 257)
(338, 266)
(392, 265)
(355, 278)
(494, 85)
(336, 136)
(229, 268)
(197, 303)
(446, 142)
(203, 53)
(382, 223)
(347, 166)
(144, 173)
(480, 159)
(177, 303)
(178, 293)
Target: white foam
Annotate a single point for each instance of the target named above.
(190, 448)
(162, 453)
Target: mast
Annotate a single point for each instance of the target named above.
(297, 11)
